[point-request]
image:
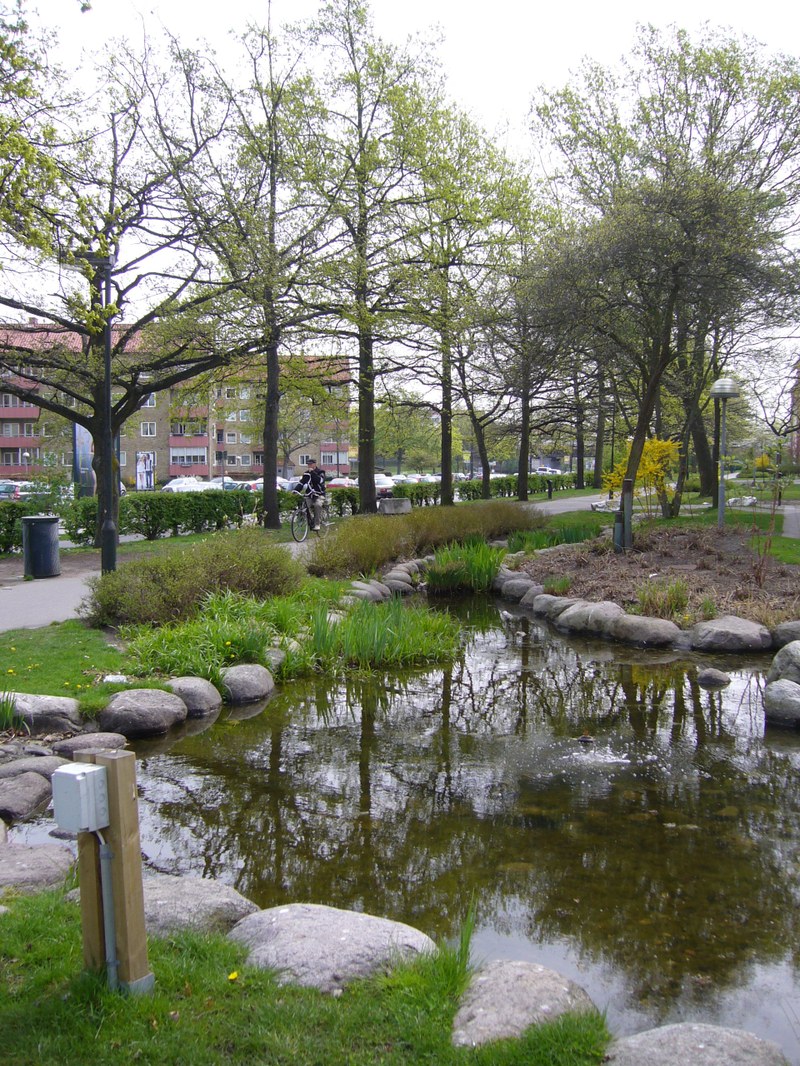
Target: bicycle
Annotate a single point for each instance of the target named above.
(302, 519)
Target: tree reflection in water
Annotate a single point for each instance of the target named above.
(667, 851)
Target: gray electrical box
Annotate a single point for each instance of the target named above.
(80, 797)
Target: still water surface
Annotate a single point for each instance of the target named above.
(657, 865)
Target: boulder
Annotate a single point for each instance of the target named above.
(32, 868)
(274, 657)
(694, 1044)
(88, 742)
(515, 588)
(531, 594)
(550, 607)
(711, 678)
(199, 695)
(370, 590)
(397, 575)
(785, 633)
(782, 702)
(48, 714)
(142, 712)
(23, 796)
(505, 998)
(37, 764)
(400, 588)
(596, 618)
(644, 631)
(323, 947)
(730, 633)
(502, 575)
(786, 664)
(247, 682)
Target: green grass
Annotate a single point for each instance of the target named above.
(469, 567)
(66, 659)
(200, 1013)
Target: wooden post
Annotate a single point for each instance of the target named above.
(122, 836)
(94, 941)
(627, 510)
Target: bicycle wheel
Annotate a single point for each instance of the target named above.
(300, 523)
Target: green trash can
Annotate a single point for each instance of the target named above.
(40, 548)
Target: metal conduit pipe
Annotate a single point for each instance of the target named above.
(109, 933)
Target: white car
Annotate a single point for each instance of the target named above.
(188, 484)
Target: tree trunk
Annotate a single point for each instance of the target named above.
(272, 517)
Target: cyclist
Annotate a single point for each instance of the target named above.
(312, 486)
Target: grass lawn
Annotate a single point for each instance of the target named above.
(207, 1007)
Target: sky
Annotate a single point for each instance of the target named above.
(494, 54)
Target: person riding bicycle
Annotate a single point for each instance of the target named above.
(312, 486)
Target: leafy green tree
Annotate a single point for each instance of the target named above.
(685, 172)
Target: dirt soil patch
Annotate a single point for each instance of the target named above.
(720, 572)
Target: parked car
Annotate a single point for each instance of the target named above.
(383, 486)
(258, 484)
(9, 490)
(187, 483)
(341, 483)
(227, 483)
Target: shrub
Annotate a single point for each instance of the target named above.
(368, 541)
(166, 589)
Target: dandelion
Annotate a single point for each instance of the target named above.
(233, 976)
(11, 670)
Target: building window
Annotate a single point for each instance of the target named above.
(230, 416)
(149, 401)
(244, 460)
(230, 438)
(230, 393)
(9, 429)
(244, 416)
(327, 459)
(29, 429)
(148, 429)
(233, 460)
(220, 436)
(245, 438)
(305, 460)
(123, 458)
(187, 456)
(258, 458)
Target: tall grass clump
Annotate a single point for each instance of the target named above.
(170, 588)
(365, 543)
(470, 567)
(9, 718)
(565, 533)
(663, 599)
(389, 634)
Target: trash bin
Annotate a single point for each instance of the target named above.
(40, 550)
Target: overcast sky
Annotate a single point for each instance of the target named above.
(494, 53)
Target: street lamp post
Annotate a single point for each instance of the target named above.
(723, 389)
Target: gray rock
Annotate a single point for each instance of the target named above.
(397, 575)
(515, 588)
(322, 947)
(782, 702)
(694, 1044)
(597, 618)
(199, 695)
(531, 594)
(30, 869)
(247, 682)
(550, 607)
(274, 657)
(142, 712)
(89, 741)
(38, 764)
(711, 678)
(385, 591)
(401, 588)
(368, 595)
(786, 664)
(785, 633)
(370, 590)
(48, 714)
(175, 903)
(730, 633)
(503, 575)
(506, 998)
(644, 631)
(23, 796)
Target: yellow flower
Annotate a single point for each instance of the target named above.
(227, 643)
(233, 976)
(10, 670)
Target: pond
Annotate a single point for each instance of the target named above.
(609, 817)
